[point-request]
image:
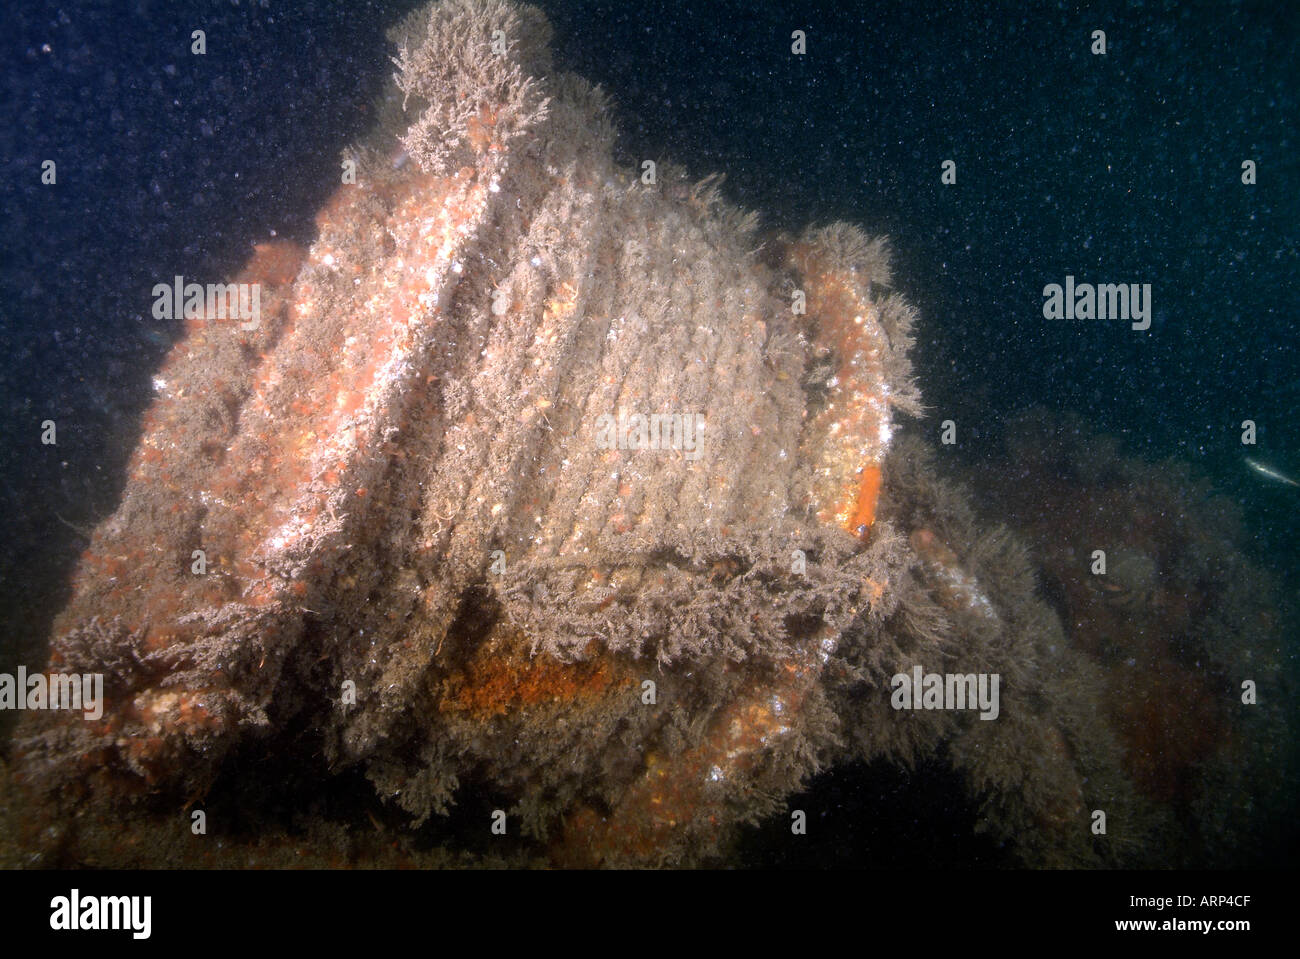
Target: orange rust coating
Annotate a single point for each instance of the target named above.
(269, 472)
(481, 130)
(846, 441)
(275, 262)
(497, 681)
(123, 568)
(294, 405)
(324, 410)
(864, 511)
(163, 710)
(692, 787)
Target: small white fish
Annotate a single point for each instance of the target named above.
(1270, 473)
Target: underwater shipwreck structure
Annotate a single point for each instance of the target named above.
(553, 482)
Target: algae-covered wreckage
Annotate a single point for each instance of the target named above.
(388, 532)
